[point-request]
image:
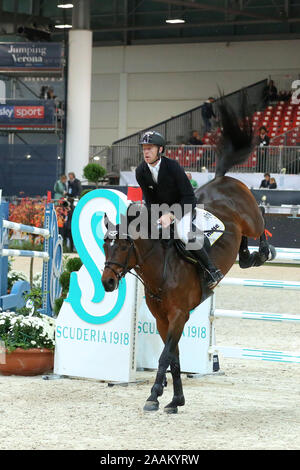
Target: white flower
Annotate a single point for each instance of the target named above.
(43, 325)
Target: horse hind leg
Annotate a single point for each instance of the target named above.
(245, 260)
(257, 258)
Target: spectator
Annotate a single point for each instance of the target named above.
(61, 216)
(50, 94)
(273, 184)
(193, 182)
(270, 92)
(43, 92)
(60, 187)
(263, 142)
(74, 186)
(266, 181)
(207, 113)
(263, 138)
(67, 233)
(284, 95)
(195, 139)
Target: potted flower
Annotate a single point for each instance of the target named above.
(26, 343)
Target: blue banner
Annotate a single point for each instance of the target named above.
(30, 56)
(21, 114)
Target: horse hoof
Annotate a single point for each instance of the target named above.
(151, 406)
(272, 254)
(171, 410)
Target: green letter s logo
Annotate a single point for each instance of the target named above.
(86, 293)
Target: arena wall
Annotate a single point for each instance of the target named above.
(136, 86)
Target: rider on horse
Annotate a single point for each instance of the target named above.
(163, 181)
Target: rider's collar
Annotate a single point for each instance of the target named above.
(154, 170)
(158, 160)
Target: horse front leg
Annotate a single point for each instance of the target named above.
(178, 397)
(169, 357)
(152, 403)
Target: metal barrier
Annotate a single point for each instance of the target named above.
(272, 159)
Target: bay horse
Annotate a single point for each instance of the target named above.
(173, 286)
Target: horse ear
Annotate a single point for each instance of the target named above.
(108, 223)
(110, 227)
(106, 220)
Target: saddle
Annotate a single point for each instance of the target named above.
(188, 256)
(184, 253)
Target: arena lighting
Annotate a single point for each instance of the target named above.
(63, 26)
(28, 156)
(175, 21)
(65, 5)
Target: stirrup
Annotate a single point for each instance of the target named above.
(214, 278)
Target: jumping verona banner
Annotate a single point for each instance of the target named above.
(30, 56)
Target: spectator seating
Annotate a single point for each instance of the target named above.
(282, 121)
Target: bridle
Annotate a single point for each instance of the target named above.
(126, 269)
(124, 266)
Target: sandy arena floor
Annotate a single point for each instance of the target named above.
(255, 405)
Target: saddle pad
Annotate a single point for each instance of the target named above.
(212, 226)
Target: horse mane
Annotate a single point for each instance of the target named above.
(138, 209)
(145, 224)
(236, 142)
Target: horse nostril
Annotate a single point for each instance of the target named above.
(109, 284)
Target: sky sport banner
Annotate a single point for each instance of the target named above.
(20, 114)
(30, 56)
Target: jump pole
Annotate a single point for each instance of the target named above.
(249, 353)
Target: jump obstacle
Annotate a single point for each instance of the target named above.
(261, 354)
(199, 346)
(52, 260)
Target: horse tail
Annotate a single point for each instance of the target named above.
(236, 142)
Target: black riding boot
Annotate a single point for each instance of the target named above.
(213, 274)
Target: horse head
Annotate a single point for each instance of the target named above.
(120, 256)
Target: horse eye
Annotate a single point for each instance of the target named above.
(123, 248)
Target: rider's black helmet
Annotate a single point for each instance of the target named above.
(154, 138)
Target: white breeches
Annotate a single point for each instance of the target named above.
(193, 241)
